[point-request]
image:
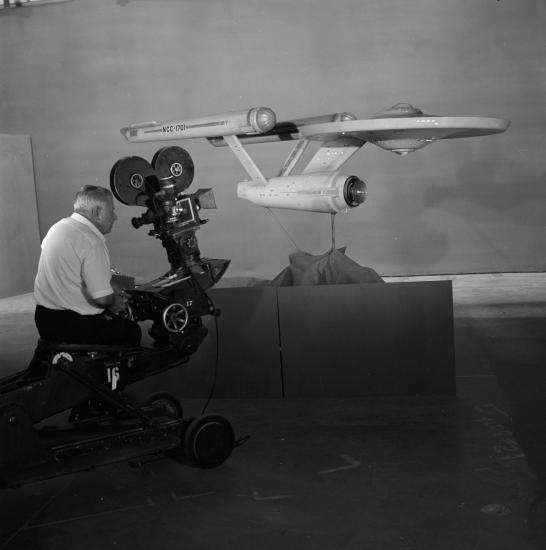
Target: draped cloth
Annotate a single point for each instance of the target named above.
(331, 268)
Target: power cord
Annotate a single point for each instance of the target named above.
(243, 439)
(217, 359)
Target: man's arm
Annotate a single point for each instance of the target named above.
(105, 301)
(113, 302)
(97, 277)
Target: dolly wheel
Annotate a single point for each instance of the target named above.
(164, 403)
(209, 440)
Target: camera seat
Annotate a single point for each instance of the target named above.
(76, 348)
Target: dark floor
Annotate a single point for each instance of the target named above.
(363, 473)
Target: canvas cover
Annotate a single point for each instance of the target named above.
(331, 268)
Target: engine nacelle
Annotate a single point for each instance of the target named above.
(328, 192)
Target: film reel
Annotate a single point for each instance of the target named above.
(133, 180)
(174, 166)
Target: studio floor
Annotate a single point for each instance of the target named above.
(396, 472)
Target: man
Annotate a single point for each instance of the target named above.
(72, 288)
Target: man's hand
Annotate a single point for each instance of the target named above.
(119, 302)
(114, 302)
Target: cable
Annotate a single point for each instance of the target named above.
(241, 440)
(333, 231)
(216, 362)
(272, 214)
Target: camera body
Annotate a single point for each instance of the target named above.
(177, 300)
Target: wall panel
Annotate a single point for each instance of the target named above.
(19, 233)
(324, 341)
(367, 339)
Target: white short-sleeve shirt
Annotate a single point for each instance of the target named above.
(74, 266)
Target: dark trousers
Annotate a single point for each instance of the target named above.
(69, 327)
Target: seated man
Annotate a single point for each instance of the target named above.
(72, 288)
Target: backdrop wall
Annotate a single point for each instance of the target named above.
(73, 74)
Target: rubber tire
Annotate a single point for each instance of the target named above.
(172, 404)
(208, 441)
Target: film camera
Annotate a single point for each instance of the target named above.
(177, 300)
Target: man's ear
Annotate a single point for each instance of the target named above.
(96, 211)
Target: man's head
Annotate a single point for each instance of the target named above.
(97, 205)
